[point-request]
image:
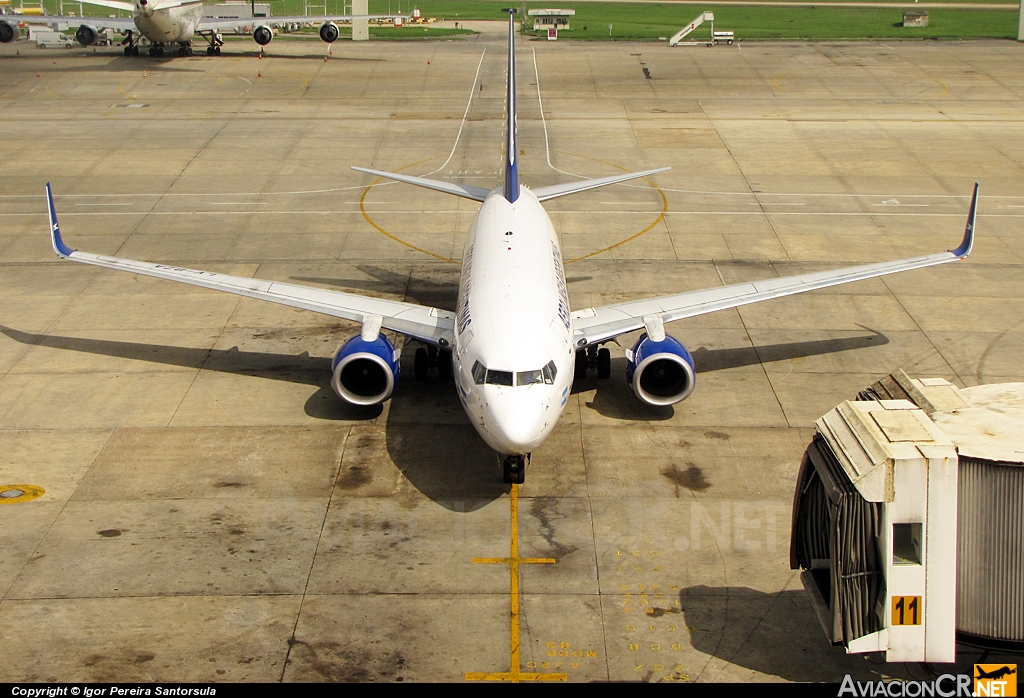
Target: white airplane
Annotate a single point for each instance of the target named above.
(168, 22)
(512, 343)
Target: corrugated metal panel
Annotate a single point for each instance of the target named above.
(831, 520)
(991, 550)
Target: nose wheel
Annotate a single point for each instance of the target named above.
(514, 469)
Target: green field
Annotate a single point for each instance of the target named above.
(648, 22)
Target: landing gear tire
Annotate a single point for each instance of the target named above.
(444, 366)
(580, 370)
(421, 364)
(604, 363)
(209, 51)
(513, 469)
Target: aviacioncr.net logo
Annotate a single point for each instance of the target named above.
(946, 686)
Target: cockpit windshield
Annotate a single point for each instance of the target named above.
(482, 374)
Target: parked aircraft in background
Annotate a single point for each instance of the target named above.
(166, 23)
(512, 343)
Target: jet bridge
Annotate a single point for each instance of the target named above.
(874, 530)
(908, 519)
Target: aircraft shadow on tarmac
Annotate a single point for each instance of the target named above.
(614, 399)
(428, 436)
(156, 66)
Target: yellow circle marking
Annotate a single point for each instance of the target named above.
(8, 493)
(659, 219)
(362, 209)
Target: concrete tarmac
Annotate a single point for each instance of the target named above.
(212, 512)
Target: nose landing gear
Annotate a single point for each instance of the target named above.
(513, 468)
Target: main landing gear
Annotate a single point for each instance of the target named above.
(593, 359)
(160, 50)
(131, 44)
(513, 469)
(432, 358)
(215, 40)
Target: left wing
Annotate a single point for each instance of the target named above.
(431, 325)
(601, 324)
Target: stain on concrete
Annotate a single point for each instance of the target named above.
(228, 484)
(354, 478)
(721, 435)
(544, 511)
(332, 661)
(692, 478)
(110, 532)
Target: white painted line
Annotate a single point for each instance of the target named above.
(472, 92)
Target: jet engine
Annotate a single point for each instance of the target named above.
(329, 32)
(660, 373)
(262, 35)
(86, 35)
(8, 32)
(365, 373)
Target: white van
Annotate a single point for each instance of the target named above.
(47, 39)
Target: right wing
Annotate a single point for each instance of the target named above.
(239, 23)
(431, 325)
(601, 324)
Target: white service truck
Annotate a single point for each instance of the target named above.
(51, 39)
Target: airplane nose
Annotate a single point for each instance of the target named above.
(515, 422)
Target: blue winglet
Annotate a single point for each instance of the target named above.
(58, 244)
(968, 241)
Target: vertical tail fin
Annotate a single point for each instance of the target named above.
(511, 189)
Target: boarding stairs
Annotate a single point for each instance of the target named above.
(678, 37)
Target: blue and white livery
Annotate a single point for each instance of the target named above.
(513, 346)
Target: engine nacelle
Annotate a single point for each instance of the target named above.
(86, 35)
(660, 373)
(262, 35)
(365, 373)
(8, 31)
(329, 32)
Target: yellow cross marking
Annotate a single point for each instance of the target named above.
(516, 674)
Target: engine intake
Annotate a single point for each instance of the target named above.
(86, 35)
(8, 32)
(365, 373)
(660, 373)
(329, 32)
(262, 35)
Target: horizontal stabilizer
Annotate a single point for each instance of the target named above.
(463, 190)
(545, 193)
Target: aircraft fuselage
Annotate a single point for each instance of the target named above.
(168, 25)
(512, 323)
